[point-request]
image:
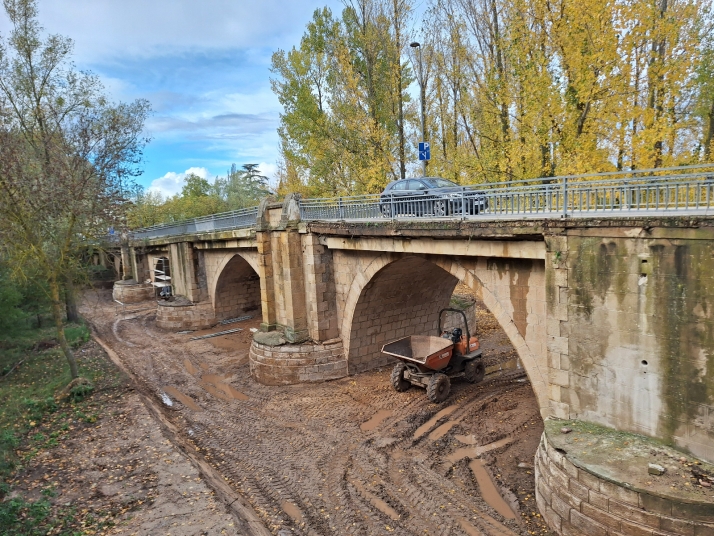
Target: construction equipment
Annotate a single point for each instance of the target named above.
(429, 361)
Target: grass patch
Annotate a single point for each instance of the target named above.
(33, 370)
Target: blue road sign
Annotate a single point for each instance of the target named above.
(424, 150)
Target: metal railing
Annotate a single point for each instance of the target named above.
(649, 191)
(652, 191)
(235, 219)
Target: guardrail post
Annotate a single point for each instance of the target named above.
(565, 197)
(391, 206)
(341, 210)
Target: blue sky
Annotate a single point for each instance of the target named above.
(204, 66)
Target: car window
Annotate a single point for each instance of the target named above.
(440, 183)
(401, 185)
(415, 185)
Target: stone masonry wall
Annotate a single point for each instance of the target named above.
(132, 293)
(403, 299)
(319, 289)
(631, 334)
(237, 291)
(184, 317)
(574, 501)
(513, 289)
(289, 364)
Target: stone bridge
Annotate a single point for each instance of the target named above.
(612, 319)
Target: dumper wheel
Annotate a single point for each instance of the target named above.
(439, 387)
(398, 381)
(474, 371)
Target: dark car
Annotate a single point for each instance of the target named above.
(430, 196)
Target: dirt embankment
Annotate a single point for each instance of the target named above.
(350, 456)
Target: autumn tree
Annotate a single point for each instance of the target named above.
(343, 89)
(67, 157)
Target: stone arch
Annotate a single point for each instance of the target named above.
(236, 288)
(363, 340)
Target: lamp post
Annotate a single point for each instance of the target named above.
(417, 45)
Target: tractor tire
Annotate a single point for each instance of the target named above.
(398, 382)
(439, 387)
(474, 371)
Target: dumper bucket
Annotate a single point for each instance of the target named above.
(433, 353)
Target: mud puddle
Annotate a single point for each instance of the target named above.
(190, 368)
(489, 492)
(292, 510)
(184, 399)
(475, 452)
(376, 420)
(424, 428)
(213, 383)
(442, 430)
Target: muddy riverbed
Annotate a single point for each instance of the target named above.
(350, 456)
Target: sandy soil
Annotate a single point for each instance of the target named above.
(350, 456)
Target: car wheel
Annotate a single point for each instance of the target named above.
(440, 208)
(474, 371)
(439, 387)
(386, 211)
(398, 381)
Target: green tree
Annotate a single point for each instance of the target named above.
(243, 187)
(343, 91)
(67, 157)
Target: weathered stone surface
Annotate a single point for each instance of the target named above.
(270, 338)
(598, 500)
(289, 364)
(132, 292)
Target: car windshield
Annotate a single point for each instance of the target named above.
(439, 183)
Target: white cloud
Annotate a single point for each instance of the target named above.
(172, 183)
(270, 171)
(107, 28)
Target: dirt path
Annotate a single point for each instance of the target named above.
(350, 456)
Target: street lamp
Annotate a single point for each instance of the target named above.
(417, 45)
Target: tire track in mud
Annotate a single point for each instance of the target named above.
(297, 455)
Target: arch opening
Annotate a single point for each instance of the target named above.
(403, 298)
(237, 290)
(402, 295)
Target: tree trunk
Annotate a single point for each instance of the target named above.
(709, 134)
(70, 301)
(57, 316)
(400, 90)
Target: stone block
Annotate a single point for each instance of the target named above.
(633, 529)
(680, 527)
(620, 493)
(552, 518)
(558, 475)
(569, 468)
(544, 490)
(589, 480)
(559, 377)
(559, 506)
(558, 344)
(586, 525)
(704, 530)
(601, 516)
(578, 490)
(625, 511)
(655, 505)
(560, 278)
(694, 512)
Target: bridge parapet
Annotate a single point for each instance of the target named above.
(658, 191)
